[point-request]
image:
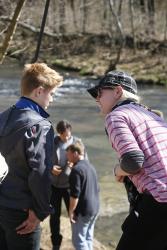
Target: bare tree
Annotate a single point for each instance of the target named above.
(165, 31)
(151, 17)
(62, 16)
(119, 9)
(72, 4)
(84, 15)
(11, 30)
(113, 64)
(104, 19)
(131, 10)
(142, 6)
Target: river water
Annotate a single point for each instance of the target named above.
(72, 102)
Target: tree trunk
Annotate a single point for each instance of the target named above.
(72, 3)
(151, 17)
(35, 58)
(112, 64)
(120, 9)
(84, 15)
(11, 30)
(104, 22)
(62, 15)
(131, 10)
(142, 6)
(165, 31)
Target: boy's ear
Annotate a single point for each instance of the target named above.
(38, 91)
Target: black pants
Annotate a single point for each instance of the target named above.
(9, 239)
(3, 243)
(56, 201)
(145, 228)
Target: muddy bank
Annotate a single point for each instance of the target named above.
(90, 55)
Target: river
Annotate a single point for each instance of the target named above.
(72, 102)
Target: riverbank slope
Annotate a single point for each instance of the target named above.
(91, 55)
(66, 232)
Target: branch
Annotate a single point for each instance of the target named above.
(16, 52)
(3, 31)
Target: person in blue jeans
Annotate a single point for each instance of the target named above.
(60, 179)
(84, 198)
(27, 143)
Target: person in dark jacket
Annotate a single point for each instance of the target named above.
(27, 143)
(60, 179)
(84, 198)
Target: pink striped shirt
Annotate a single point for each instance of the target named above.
(132, 127)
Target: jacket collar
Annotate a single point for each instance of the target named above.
(25, 102)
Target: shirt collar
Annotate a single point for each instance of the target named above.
(25, 102)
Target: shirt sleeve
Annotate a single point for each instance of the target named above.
(132, 162)
(39, 153)
(120, 134)
(75, 184)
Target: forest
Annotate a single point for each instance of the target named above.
(88, 36)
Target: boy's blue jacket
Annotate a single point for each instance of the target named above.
(27, 143)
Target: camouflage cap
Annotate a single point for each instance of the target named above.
(114, 78)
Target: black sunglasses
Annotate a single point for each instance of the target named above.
(100, 89)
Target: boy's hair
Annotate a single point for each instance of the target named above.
(39, 74)
(62, 126)
(77, 147)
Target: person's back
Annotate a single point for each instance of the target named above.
(84, 198)
(88, 203)
(27, 143)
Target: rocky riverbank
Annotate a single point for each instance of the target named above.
(91, 56)
(66, 232)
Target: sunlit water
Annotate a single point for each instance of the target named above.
(72, 102)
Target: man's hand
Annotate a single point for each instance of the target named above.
(29, 225)
(56, 170)
(72, 217)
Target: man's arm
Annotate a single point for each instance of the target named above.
(73, 205)
(126, 145)
(38, 149)
(39, 152)
(75, 190)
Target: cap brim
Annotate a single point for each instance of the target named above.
(93, 92)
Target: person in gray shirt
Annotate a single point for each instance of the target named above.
(60, 179)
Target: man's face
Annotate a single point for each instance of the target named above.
(70, 156)
(45, 97)
(66, 135)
